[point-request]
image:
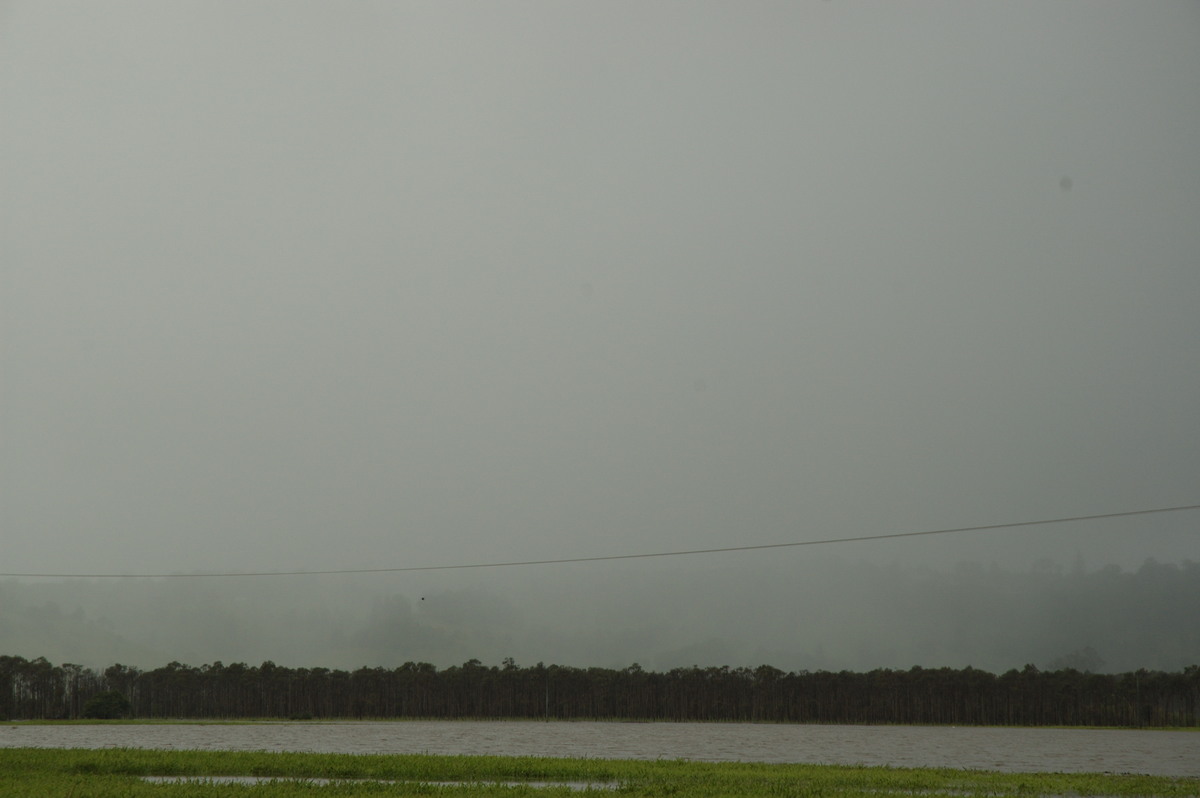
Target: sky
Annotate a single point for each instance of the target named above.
(319, 286)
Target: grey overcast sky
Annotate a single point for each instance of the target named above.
(297, 285)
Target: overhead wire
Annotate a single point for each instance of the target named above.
(608, 557)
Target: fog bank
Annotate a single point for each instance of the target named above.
(841, 615)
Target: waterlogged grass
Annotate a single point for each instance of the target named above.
(108, 773)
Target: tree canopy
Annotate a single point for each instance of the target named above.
(1029, 696)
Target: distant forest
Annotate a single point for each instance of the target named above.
(817, 613)
(37, 689)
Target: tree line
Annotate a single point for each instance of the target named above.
(37, 689)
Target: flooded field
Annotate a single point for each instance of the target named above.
(1003, 749)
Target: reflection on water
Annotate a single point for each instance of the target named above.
(988, 748)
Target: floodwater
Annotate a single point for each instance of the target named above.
(250, 781)
(1160, 753)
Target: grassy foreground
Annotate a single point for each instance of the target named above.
(107, 773)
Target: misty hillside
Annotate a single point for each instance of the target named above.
(823, 614)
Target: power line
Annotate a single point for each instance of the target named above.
(603, 558)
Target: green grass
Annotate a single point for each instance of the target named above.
(108, 773)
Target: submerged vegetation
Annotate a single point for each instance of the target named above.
(125, 772)
(36, 689)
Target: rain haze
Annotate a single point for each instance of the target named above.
(344, 286)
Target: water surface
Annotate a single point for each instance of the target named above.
(989, 748)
